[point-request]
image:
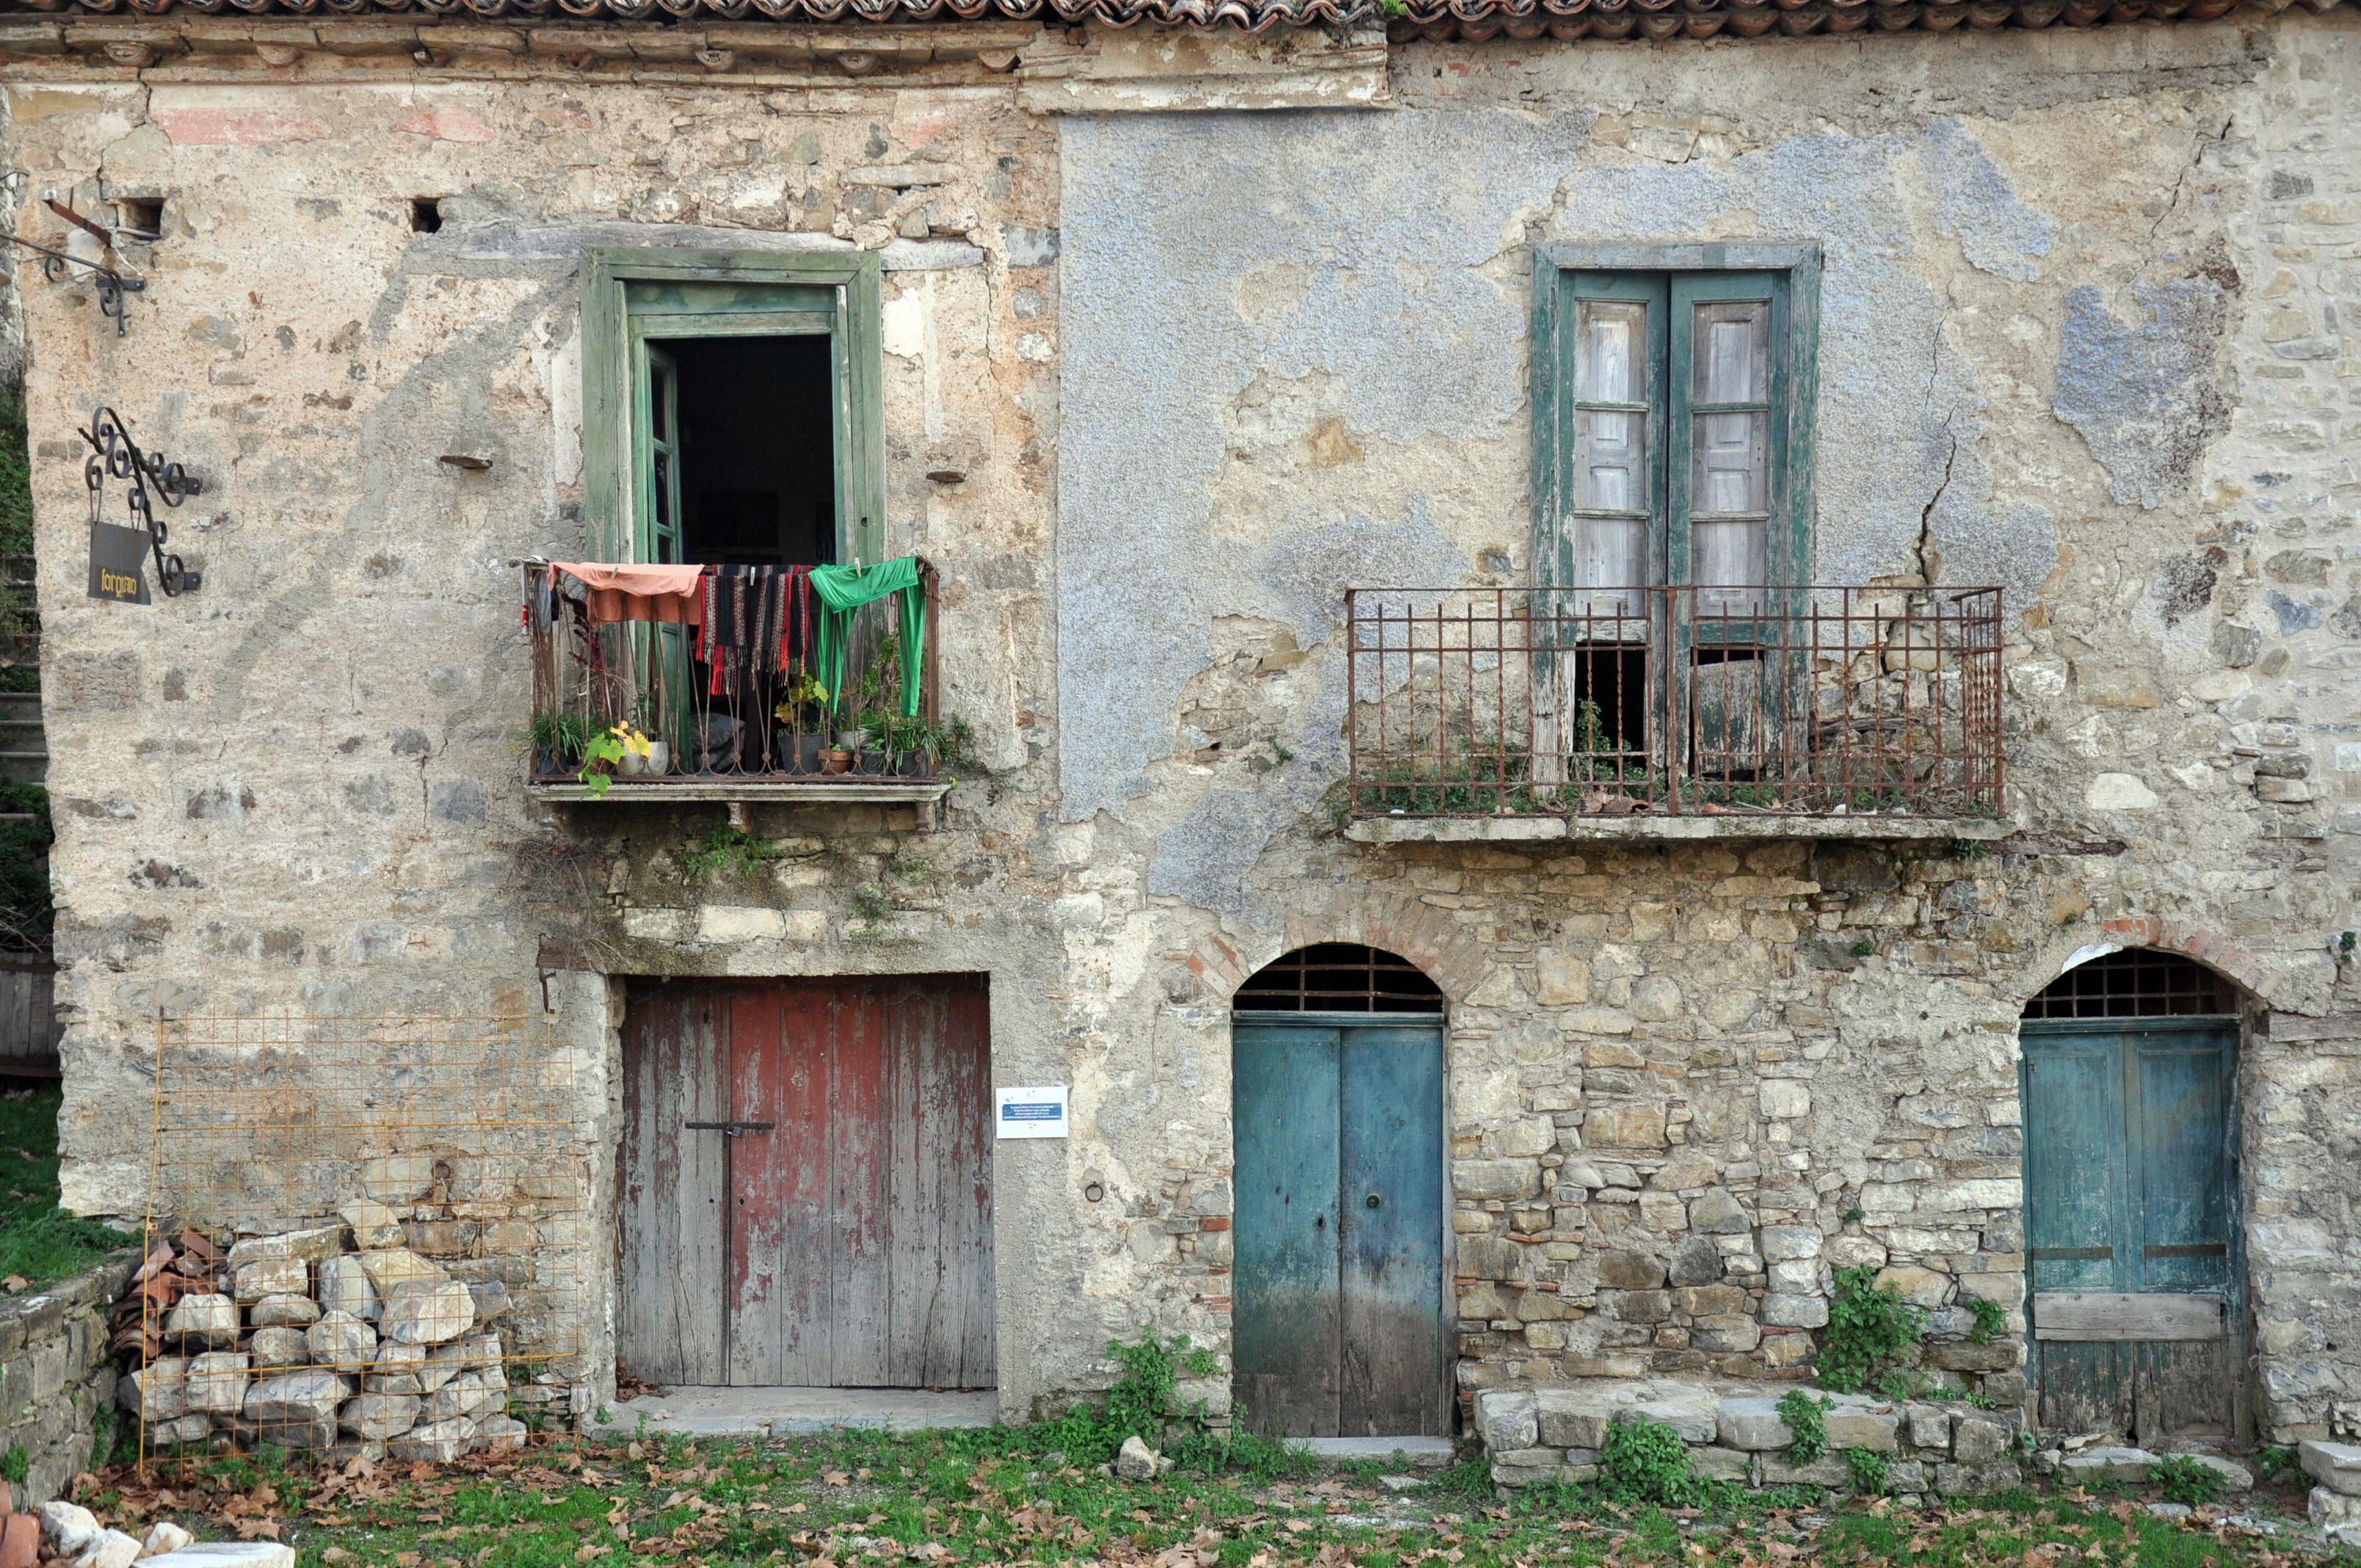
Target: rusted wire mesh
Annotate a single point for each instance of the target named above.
(367, 1235)
(1616, 701)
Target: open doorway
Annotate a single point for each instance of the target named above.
(742, 451)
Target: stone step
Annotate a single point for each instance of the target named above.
(1734, 1432)
(23, 767)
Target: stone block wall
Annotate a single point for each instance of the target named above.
(56, 1379)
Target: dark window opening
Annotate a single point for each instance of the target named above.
(1609, 728)
(756, 450)
(140, 217)
(2141, 984)
(426, 214)
(1338, 977)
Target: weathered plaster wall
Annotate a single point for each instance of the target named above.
(1676, 1073)
(297, 789)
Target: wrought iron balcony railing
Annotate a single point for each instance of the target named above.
(1612, 702)
(790, 700)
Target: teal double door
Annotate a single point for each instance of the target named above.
(2131, 1220)
(1338, 1324)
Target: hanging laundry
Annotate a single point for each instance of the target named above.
(844, 590)
(618, 593)
(744, 621)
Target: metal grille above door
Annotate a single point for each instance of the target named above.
(1338, 977)
(2140, 983)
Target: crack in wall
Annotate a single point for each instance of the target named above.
(1928, 558)
(2180, 183)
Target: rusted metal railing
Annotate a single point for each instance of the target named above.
(775, 722)
(1802, 700)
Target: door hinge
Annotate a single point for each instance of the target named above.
(730, 1129)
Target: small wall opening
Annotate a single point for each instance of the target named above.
(2138, 983)
(426, 214)
(1338, 977)
(139, 218)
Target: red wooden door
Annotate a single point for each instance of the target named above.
(850, 1236)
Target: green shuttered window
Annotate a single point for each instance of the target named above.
(1673, 410)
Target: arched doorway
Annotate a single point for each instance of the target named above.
(1336, 1106)
(2128, 1076)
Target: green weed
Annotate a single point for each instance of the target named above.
(1646, 1462)
(1868, 1331)
(725, 851)
(1871, 1471)
(1990, 1317)
(2183, 1480)
(1807, 1418)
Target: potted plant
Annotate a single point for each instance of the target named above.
(605, 752)
(557, 739)
(917, 747)
(803, 710)
(649, 758)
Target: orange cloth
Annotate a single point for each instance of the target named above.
(614, 593)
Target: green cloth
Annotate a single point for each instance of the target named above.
(842, 590)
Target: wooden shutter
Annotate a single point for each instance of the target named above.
(1729, 527)
(1611, 424)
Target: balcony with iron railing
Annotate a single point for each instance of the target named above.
(666, 697)
(1682, 712)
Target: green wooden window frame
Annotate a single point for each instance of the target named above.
(631, 299)
(1669, 283)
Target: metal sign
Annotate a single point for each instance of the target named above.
(114, 455)
(1030, 1113)
(119, 563)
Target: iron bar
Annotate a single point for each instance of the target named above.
(1802, 700)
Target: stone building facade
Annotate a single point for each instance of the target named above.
(1183, 333)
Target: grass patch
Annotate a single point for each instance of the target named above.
(38, 1241)
(1011, 1494)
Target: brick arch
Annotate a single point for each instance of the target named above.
(2255, 978)
(1376, 917)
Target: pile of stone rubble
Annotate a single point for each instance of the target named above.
(336, 1339)
(67, 1533)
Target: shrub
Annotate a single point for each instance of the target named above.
(1869, 1329)
(1645, 1462)
(1142, 1402)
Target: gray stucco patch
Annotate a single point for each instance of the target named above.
(1194, 255)
(2142, 392)
(1975, 204)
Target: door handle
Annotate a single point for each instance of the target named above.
(730, 1129)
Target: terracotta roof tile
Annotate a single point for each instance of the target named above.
(1410, 19)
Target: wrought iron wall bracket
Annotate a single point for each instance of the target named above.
(56, 266)
(114, 455)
